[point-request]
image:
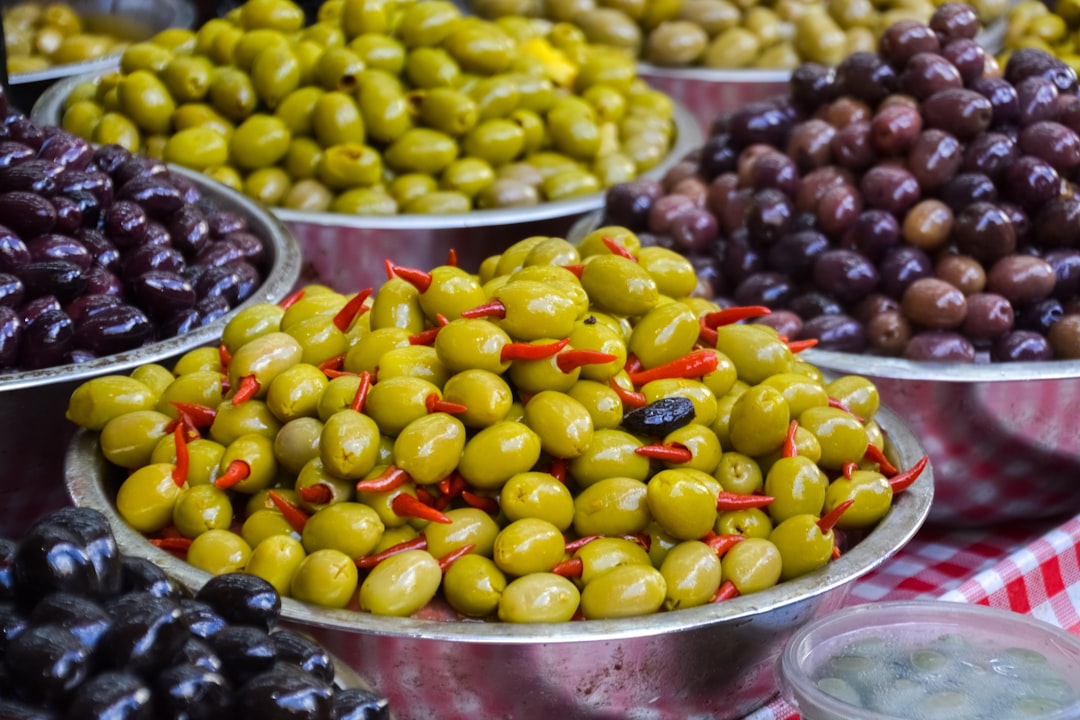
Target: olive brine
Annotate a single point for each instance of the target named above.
(917, 201)
(566, 434)
(88, 633)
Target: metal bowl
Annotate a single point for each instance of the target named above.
(347, 251)
(715, 661)
(32, 425)
(133, 20)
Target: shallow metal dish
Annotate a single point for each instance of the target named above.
(33, 429)
(347, 251)
(133, 20)
(714, 662)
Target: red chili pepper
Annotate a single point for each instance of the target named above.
(296, 517)
(331, 367)
(874, 454)
(318, 494)
(731, 315)
(828, 521)
(557, 469)
(569, 568)
(352, 310)
(835, 552)
(629, 398)
(492, 308)
(237, 471)
(369, 561)
(448, 559)
(528, 351)
(451, 257)
(848, 469)
(797, 346)
(692, 365)
(406, 505)
(834, 403)
(389, 479)
(640, 538)
(481, 502)
(721, 543)
(570, 360)
(224, 356)
(576, 269)
(434, 404)
(727, 501)
(617, 249)
(668, 452)
(632, 364)
(171, 531)
(183, 461)
(427, 337)
(575, 545)
(525, 397)
(726, 591)
(425, 496)
(360, 398)
(452, 485)
(902, 481)
(178, 545)
(790, 447)
(289, 300)
(417, 278)
(249, 386)
(200, 415)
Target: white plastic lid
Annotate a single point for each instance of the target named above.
(931, 660)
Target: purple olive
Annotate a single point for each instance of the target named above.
(47, 339)
(151, 257)
(12, 292)
(13, 252)
(125, 224)
(163, 293)
(11, 332)
(61, 278)
(154, 194)
(26, 213)
(190, 232)
(223, 222)
(36, 176)
(211, 308)
(98, 184)
(219, 253)
(251, 246)
(100, 281)
(67, 149)
(32, 308)
(840, 333)
(101, 249)
(109, 157)
(114, 329)
(54, 246)
(69, 214)
(13, 153)
(86, 306)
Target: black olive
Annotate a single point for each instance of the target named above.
(145, 635)
(245, 652)
(198, 653)
(284, 693)
(112, 695)
(201, 619)
(309, 656)
(12, 622)
(14, 710)
(660, 417)
(92, 527)
(7, 569)
(140, 575)
(47, 663)
(82, 616)
(242, 599)
(194, 693)
(51, 558)
(359, 704)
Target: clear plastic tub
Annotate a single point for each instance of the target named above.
(931, 660)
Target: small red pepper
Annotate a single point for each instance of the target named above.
(528, 351)
(576, 269)
(707, 336)
(291, 299)
(224, 356)
(177, 545)
(557, 469)
(200, 415)
(362, 390)
(435, 404)
(183, 462)
(492, 308)
(828, 521)
(693, 365)
(406, 505)
(629, 398)
(389, 479)
(726, 591)
(632, 364)
(318, 494)
(452, 486)
(797, 346)
(352, 310)
(331, 367)
(902, 481)
(424, 495)
(451, 257)
(731, 315)
(722, 543)
(727, 501)
(875, 455)
(296, 517)
(790, 447)
(427, 337)
(570, 568)
(449, 558)
(581, 542)
(570, 360)
(617, 249)
(237, 472)
(848, 469)
(369, 561)
(417, 278)
(668, 452)
(641, 539)
(834, 403)
(248, 388)
(481, 502)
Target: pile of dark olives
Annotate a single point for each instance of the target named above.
(102, 251)
(1050, 27)
(914, 202)
(88, 633)
(731, 34)
(381, 108)
(39, 35)
(566, 434)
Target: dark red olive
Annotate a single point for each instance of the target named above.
(11, 333)
(54, 246)
(67, 149)
(223, 222)
(26, 213)
(162, 292)
(61, 278)
(47, 339)
(115, 329)
(100, 281)
(13, 153)
(36, 176)
(359, 704)
(154, 193)
(189, 230)
(12, 292)
(109, 157)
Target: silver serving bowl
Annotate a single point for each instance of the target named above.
(714, 661)
(32, 425)
(133, 20)
(347, 251)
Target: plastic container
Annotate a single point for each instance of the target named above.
(929, 659)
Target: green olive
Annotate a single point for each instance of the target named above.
(857, 394)
(841, 436)
(260, 141)
(624, 591)
(128, 439)
(871, 492)
(665, 333)
(275, 73)
(611, 453)
(480, 47)
(231, 421)
(421, 150)
(379, 52)
(799, 391)
(187, 78)
(327, 578)
(297, 109)
(602, 402)
(401, 584)
(101, 399)
(365, 356)
(473, 585)
(198, 148)
(529, 545)
(336, 119)
(752, 565)
(619, 286)
(539, 598)
(232, 94)
(497, 452)
(152, 375)
(350, 527)
(420, 361)
(383, 105)
(612, 506)
(264, 358)
(752, 522)
(538, 495)
(275, 559)
(147, 497)
(316, 488)
(683, 502)
(759, 421)
(297, 443)
(218, 552)
(202, 359)
(756, 354)
(430, 448)
(563, 424)
(692, 573)
(337, 69)
(797, 486)
(485, 394)
(467, 526)
(349, 444)
(674, 275)
(249, 323)
(802, 544)
(145, 100)
(255, 455)
(200, 508)
(705, 403)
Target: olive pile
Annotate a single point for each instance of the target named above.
(381, 107)
(102, 251)
(541, 446)
(916, 201)
(88, 633)
(731, 34)
(1050, 27)
(39, 35)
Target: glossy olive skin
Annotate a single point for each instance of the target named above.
(498, 452)
(401, 584)
(539, 598)
(473, 585)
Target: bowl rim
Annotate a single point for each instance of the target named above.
(183, 17)
(688, 136)
(280, 277)
(84, 467)
(795, 684)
